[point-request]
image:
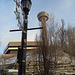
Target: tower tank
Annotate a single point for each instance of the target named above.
(43, 17)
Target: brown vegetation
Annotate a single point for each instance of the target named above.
(53, 38)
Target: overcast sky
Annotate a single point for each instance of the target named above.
(64, 9)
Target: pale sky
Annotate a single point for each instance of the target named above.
(62, 9)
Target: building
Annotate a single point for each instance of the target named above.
(12, 47)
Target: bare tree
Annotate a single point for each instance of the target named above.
(48, 46)
(70, 40)
(55, 38)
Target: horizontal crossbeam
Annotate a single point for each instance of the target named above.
(27, 29)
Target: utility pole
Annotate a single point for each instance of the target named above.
(26, 5)
(22, 64)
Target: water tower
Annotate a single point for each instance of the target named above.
(43, 17)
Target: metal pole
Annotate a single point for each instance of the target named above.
(22, 64)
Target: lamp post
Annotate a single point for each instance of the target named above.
(26, 5)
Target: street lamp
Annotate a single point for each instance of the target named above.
(26, 5)
(21, 57)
